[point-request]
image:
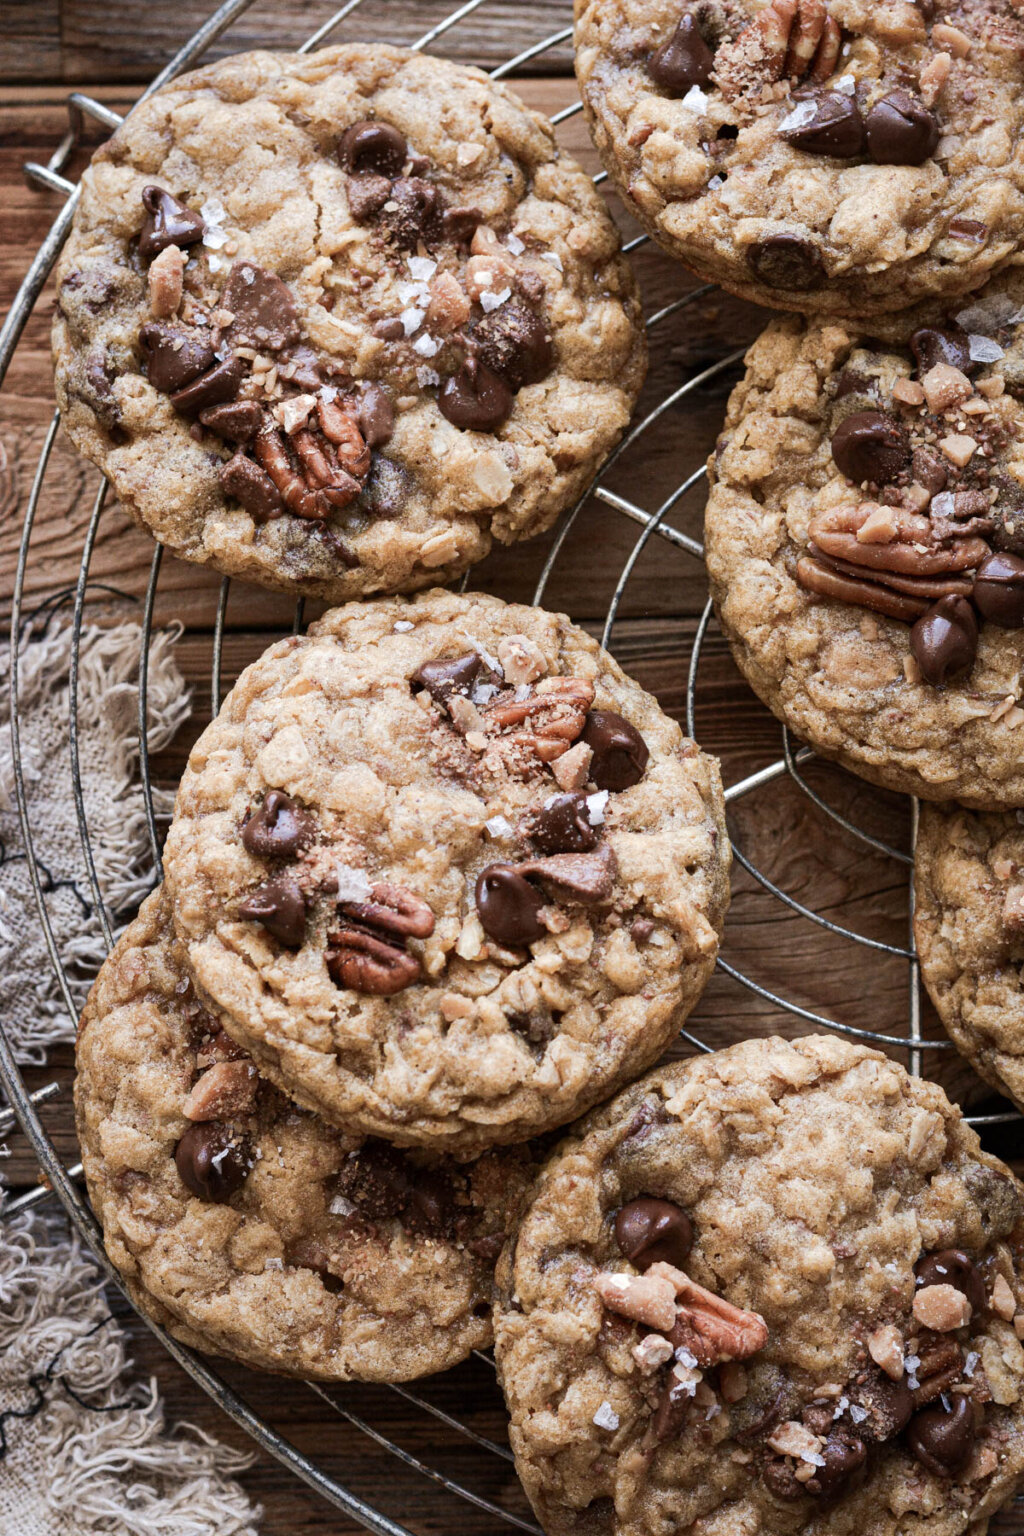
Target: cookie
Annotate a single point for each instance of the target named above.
(832, 156)
(969, 929)
(773, 1290)
(336, 322)
(247, 1226)
(446, 871)
(865, 541)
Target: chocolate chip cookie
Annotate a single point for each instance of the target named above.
(446, 871)
(820, 155)
(247, 1225)
(775, 1290)
(865, 540)
(335, 322)
(969, 927)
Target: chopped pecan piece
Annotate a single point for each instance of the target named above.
(708, 1325)
(549, 721)
(797, 39)
(939, 1365)
(367, 953)
(393, 910)
(645, 1300)
(225, 1091)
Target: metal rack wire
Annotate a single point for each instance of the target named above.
(481, 1437)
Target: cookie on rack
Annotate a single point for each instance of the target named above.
(774, 1290)
(335, 322)
(865, 541)
(819, 155)
(445, 871)
(246, 1225)
(969, 928)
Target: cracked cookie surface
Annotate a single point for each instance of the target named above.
(969, 927)
(446, 871)
(865, 541)
(712, 1317)
(819, 155)
(247, 1226)
(336, 322)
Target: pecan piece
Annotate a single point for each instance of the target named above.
(225, 1091)
(940, 1364)
(825, 581)
(272, 456)
(358, 960)
(394, 910)
(550, 720)
(710, 1327)
(913, 551)
(639, 1297)
(342, 430)
(794, 38)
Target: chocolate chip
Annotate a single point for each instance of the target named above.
(236, 422)
(889, 1405)
(929, 469)
(562, 826)
(448, 675)
(281, 907)
(515, 343)
(999, 590)
(388, 329)
(787, 261)
(413, 212)
(650, 1231)
(620, 752)
(245, 482)
(375, 415)
(376, 1179)
(475, 399)
(845, 1456)
(265, 313)
(279, 828)
(461, 224)
(173, 356)
(951, 1266)
(218, 384)
(945, 640)
(373, 146)
(431, 1204)
(168, 222)
(835, 129)
(583, 877)
(870, 446)
(942, 1439)
(508, 905)
(942, 344)
(901, 131)
(366, 196)
(683, 60)
(301, 366)
(211, 1162)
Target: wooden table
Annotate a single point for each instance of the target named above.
(106, 49)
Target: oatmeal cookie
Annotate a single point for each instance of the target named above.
(969, 927)
(246, 1225)
(446, 871)
(774, 1290)
(836, 156)
(334, 322)
(865, 541)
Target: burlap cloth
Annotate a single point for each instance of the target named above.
(83, 1443)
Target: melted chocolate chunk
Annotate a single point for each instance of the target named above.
(945, 640)
(217, 385)
(366, 196)
(999, 590)
(562, 826)
(650, 1231)
(929, 469)
(942, 1439)
(951, 1266)
(413, 212)
(620, 752)
(889, 1405)
(245, 482)
(211, 1162)
(448, 675)
(836, 128)
(236, 422)
(946, 344)
(375, 415)
(787, 261)
(265, 313)
(173, 356)
(475, 399)
(683, 60)
(373, 146)
(870, 446)
(376, 1179)
(281, 907)
(461, 224)
(279, 829)
(168, 221)
(514, 342)
(845, 1456)
(901, 131)
(508, 905)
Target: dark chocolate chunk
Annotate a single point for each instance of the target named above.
(901, 131)
(942, 344)
(448, 675)
(279, 829)
(508, 905)
(211, 1162)
(413, 212)
(373, 146)
(265, 313)
(952, 1266)
(475, 399)
(375, 415)
(218, 384)
(620, 752)
(245, 482)
(787, 261)
(562, 826)
(376, 1179)
(942, 1438)
(650, 1231)
(845, 1456)
(431, 1205)
(461, 224)
(173, 356)
(889, 1405)
(683, 60)
(514, 342)
(945, 640)
(835, 129)
(576, 877)
(366, 196)
(281, 907)
(930, 469)
(237, 421)
(999, 590)
(168, 222)
(871, 446)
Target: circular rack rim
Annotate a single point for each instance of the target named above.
(63, 1181)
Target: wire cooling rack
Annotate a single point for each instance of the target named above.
(470, 1458)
